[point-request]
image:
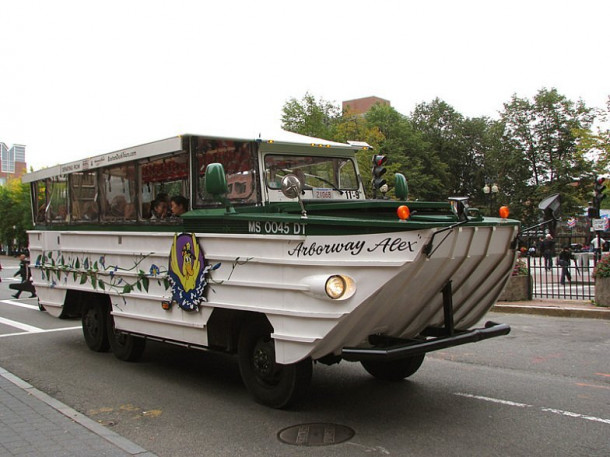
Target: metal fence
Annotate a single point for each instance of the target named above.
(573, 282)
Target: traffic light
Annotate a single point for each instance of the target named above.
(599, 195)
(378, 171)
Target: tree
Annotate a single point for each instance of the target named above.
(15, 214)
(408, 153)
(310, 117)
(465, 145)
(440, 127)
(596, 146)
(540, 140)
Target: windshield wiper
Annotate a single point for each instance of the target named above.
(326, 182)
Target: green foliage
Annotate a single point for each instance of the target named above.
(602, 269)
(15, 214)
(541, 144)
(310, 117)
(595, 143)
(408, 153)
(538, 147)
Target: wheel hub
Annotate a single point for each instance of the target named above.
(263, 360)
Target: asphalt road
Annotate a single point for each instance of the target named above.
(542, 390)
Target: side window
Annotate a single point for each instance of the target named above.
(348, 179)
(83, 196)
(161, 180)
(57, 209)
(40, 199)
(239, 164)
(118, 193)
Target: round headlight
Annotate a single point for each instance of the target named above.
(335, 286)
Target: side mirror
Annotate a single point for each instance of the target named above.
(215, 180)
(401, 188)
(216, 184)
(291, 186)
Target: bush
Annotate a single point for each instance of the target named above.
(520, 268)
(602, 269)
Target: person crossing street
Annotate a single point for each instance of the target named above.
(26, 279)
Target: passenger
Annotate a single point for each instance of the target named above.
(62, 213)
(90, 211)
(179, 205)
(130, 211)
(118, 207)
(158, 210)
(162, 196)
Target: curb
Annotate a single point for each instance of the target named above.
(564, 311)
(114, 438)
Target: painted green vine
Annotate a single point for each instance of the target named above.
(55, 267)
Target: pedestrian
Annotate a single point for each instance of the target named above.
(26, 284)
(565, 256)
(548, 250)
(596, 245)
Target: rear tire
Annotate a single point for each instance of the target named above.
(270, 383)
(125, 347)
(94, 317)
(394, 370)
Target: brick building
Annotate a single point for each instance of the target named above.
(362, 105)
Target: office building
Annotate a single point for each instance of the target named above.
(12, 162)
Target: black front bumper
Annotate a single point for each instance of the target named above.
(409, 348)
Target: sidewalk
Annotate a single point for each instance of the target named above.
(35, 425)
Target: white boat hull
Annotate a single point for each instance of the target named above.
(395, 290)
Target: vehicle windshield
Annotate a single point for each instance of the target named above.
(315, 172)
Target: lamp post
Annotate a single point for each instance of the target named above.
(490, 190)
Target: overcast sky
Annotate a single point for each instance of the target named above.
(80, 78)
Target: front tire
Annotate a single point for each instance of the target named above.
(270, 383)
(125, 347)
(394, 370)
(94, 317)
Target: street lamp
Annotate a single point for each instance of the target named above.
(490, 190)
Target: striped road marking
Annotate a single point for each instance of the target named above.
(20, 305)
(27, 329)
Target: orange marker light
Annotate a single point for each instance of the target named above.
(504, 212)
(403, 212)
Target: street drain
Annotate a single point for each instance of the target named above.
(315, 434)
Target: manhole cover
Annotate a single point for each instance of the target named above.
(315, 434)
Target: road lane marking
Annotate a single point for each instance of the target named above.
(543, 409)
(51, 330)
(21, 305)
(20, 325)
(494, 400)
